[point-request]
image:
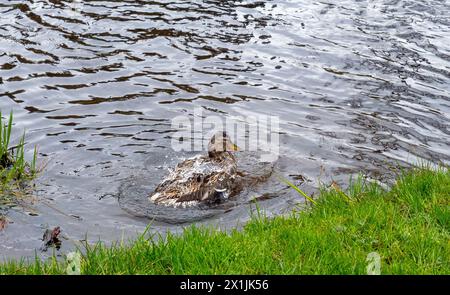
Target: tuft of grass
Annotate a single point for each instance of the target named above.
(15, 171)
(407, 226)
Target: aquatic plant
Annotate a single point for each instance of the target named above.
(15, 171)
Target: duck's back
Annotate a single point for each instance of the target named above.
(198, 179)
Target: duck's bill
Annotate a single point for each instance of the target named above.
(236, 148)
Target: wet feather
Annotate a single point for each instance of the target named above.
(208, 178)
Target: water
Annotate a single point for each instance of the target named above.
(358, 86)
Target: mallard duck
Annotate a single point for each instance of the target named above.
(209, 179)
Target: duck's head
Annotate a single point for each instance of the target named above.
(220, 143)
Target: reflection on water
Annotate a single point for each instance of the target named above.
(358, 86)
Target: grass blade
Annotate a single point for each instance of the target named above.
(297, 189)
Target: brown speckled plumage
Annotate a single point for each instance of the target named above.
(207, 178)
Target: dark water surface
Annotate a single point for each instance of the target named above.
(358, 86)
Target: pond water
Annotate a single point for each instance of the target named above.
(358, 86)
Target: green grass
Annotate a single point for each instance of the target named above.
(408, 226)
(15, 171)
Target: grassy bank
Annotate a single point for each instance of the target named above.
(407, 226)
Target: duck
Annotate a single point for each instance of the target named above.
(204, 179)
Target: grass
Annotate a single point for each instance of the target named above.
(407, 226)
(15, 172)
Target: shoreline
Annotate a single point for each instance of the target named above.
(406, 229)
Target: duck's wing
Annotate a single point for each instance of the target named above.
(194, 188)
(195, 194)
(196, 179)
(214, 186)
